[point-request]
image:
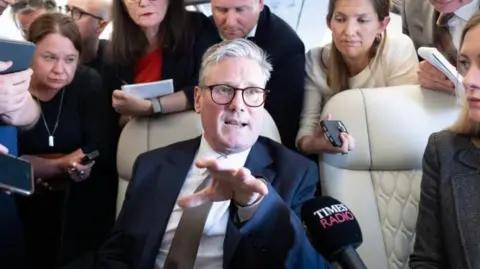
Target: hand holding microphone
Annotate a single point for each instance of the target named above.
(333, 230)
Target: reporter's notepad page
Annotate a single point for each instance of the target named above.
(434, 57)
(150, 90)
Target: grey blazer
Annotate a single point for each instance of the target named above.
(448, 226)
(419, 20)
(396, 6)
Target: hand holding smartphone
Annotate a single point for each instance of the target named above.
(89, 158)
(333, 130)
(81, 171)
(16, 175)
(20, 53)
(337, 136)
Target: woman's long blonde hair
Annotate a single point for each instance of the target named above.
(465, 125)
(335, 66)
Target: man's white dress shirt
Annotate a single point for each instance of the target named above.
(210, 251)
(458, 22)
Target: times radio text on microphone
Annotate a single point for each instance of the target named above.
(334, 214)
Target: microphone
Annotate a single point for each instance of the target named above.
(333, 230)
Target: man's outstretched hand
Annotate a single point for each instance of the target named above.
(227, 184)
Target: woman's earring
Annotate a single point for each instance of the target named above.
(378, 37)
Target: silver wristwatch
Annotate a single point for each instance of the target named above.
(157, 108)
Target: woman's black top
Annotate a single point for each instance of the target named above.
(85, 121)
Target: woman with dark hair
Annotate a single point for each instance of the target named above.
(361, 55)
(26, 11)
(73, 206)
(155, 40)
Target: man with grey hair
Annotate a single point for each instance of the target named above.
(253, 20)
(226, 199)
(91, 17)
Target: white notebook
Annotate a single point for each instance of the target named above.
(150, 90)
(435, 58)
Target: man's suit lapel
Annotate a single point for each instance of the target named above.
(261, 34)
(259, 163)
(213, 28)
(169, 181)
(466, 198)
(430, 26)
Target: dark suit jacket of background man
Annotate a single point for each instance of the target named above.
(287, 55)
(419, 19)
(273, 238)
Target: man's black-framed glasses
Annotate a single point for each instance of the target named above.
(223, 94)
(77, 14)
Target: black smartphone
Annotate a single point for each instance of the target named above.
(20, 53)
(16, 175)
(90, 157)
(333, 129)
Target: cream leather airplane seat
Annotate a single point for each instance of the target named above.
(380, 180)
(148, 133)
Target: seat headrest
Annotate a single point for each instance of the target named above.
(391, 125)
(147, 133)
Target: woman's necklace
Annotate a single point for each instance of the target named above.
(51, 135)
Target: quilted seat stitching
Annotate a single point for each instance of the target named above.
(395, 233)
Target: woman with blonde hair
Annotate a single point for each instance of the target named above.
(447, 233)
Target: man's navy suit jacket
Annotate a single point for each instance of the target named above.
(273, 238)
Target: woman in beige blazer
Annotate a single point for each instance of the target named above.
(361, 55)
